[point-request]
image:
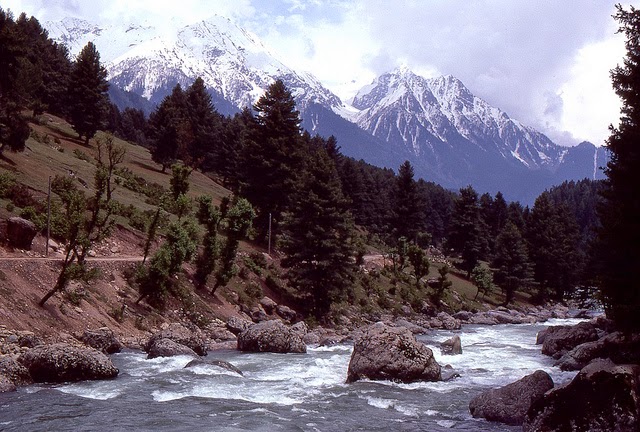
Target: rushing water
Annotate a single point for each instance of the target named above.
(282, 392)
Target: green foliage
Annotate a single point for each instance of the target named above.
(442, 284)
(419, 261)
(88, 100)
(82, 155)
(408, 216)
(179, 180)
(511, 262)
(482, 278)
(619, 237)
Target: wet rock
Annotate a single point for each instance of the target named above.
(448, 373)
(603, 397)
(102, 339)
(64, 362)
(381, 352)
(6, 385)
(237, 325)
(271, 336)
(617, 346)
(451, 346)
(21, 232)
(509, 404)
(218, 363)
(177, 332)
(558, 340)
(162, 347)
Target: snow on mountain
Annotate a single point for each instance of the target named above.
(428, 114)
(232, 61)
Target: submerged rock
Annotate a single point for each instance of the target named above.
(271, 336)
(218, 363)
(509, 404)
(451, 346)
(381, 352)
(64, 362)
(603, 397)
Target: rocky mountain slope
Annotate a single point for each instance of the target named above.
(450, 136)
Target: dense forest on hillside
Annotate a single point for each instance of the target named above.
(289, 190)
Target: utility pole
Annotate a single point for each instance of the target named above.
(269, 247)
(46, 253)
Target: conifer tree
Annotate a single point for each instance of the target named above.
(511, 262)
(408, 217)
(169, 129)
(619, 236)
(88, 100)
(419, 262)
(318, 238)
(272, 157)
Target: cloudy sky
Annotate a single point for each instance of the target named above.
(544, 62)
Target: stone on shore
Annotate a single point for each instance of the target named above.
(271, 336)
(603, 397)
(102, 339)
(509, 404)
(381, 352)
(164, 347)
(20, 232)
(64, 362)
(558, 340)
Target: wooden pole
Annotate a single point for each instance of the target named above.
(269, 247)
(46, 253)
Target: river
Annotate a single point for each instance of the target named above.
(283, 392)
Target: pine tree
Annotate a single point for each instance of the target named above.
(407, 214)
(169, 129)
(317, 237)
(468, 232)
(272, 157)
(619, 236)
(205, 125)
(88, 100)
(419, 262)
(511, 262)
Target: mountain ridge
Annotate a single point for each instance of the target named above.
(451, 136)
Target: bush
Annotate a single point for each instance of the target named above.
(82, 156)
(7, 181)
(20, 195)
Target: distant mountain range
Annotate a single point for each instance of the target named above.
(449, 135)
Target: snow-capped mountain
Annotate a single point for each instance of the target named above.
(457, 138)
(450, 136)
(232, 61)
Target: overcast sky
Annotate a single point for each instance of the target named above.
(544, 62)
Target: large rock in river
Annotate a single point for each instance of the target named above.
(603, 397)
(64, 362)
(381, 352)
(168, 348)
(558, 340)
(183, 336)
(619, 347)
(271, 336)
(510, 403)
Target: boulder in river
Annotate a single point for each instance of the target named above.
(603, 397)
(381, 352)
(218, 363)
(558, 340)
(271, 336)
(452, 346)
(168, 348)
(510, 403)
(12, 373)
(102, 339)
(183, 336)
(64, 362)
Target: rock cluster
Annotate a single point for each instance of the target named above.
(382, 352)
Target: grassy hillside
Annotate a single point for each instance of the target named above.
(53, 149)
